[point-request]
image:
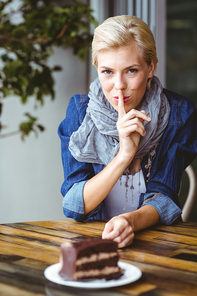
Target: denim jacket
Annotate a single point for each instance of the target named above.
(176, 150)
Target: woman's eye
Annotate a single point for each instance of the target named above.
(132, 71)
(107, 72)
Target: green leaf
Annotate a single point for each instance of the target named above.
(19, 30)
(11, 68)
(40, 127)
(57, 68)
(31, 118)
(6, 91)
(24, 99)
(30, 126)
(1, 108)
(5, 57)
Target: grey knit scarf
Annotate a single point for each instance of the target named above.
(97, 140)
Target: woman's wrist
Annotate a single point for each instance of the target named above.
(124, 159)
(129, 217)
(142, 218)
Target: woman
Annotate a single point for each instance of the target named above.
(126, 144)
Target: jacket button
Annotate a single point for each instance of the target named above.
(146, 166)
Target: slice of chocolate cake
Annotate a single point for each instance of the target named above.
(90, 259)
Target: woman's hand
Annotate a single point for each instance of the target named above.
(120, 230)
(130, 127)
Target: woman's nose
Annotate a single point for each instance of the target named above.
(120, 82)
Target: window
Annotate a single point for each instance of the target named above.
(181, 60)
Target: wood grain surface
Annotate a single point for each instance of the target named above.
(166, 255)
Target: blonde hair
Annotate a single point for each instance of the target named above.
(122, 30)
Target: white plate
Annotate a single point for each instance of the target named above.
(131, 274)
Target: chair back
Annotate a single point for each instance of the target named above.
(191, 194)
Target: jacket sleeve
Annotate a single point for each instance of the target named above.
(168, 210)
(176, 151)
(76, 173)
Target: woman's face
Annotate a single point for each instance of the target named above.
(124, 69)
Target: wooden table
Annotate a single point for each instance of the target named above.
(166, 255)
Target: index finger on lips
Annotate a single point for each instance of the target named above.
(121, 110)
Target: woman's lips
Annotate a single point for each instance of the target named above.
(126, 99)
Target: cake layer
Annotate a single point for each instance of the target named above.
(98, 264)
(94, 245)
(95, 257)
(106, 272)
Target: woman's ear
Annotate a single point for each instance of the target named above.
(150, 74)
(151, 70)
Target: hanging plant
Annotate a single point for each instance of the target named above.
(26, 46)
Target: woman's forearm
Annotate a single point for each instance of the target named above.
(98, 187)
(143, 218)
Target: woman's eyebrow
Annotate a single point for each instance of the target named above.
(105, 67)
(110, 68)
(132, 66)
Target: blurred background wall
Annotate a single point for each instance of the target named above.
(31, 172)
